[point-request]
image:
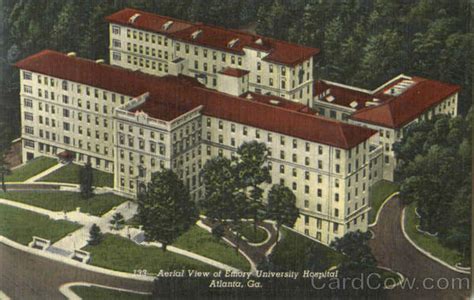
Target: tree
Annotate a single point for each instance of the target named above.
(355, 245)
(219, 177)
(252, 173)
(165, 209)
(281, 207)
(434, 172)
(4, 170)
(86, 180)
(117, 221)
(95, 235)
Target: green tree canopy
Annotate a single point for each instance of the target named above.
(165, 209)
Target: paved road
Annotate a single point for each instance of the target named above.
(27, 276)
(392, 250)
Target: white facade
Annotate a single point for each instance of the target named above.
(153, 53)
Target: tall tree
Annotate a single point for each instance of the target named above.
(281, 207)
(86, 180)
(220, 182)
(355, 245)
(95, 235)
(4, 170)
(252, 172)
(165, 209)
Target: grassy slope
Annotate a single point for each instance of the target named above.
(120, 254)
(292, 248)
(31, 169)
(428, 243)
(201, 242)
(70, 174)
(20, 225)
(66, 201)
(378, 193)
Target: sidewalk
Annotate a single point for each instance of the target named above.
(44, 173)
(78, 239)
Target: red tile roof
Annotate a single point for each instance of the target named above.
(172, 96)
(280, 52)
(397, 111)
(234, 72)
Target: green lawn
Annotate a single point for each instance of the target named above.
(66, 201)
(378, 193)
(32, 168)
(21, 225)
(428, 243)
(201, 242)
(94, 293)
(70, 174)
(121, 254)
(248, 231)
(291, 253)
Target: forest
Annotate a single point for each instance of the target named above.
(362, 42)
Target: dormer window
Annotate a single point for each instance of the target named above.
(133, 18)
(195, 34)
(232, 43)
(167, 25)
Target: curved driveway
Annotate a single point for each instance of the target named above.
(392, 250)
(27, 276)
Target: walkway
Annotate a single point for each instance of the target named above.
(44, 173)
(392, 250)
(79, 238)
(256, 253)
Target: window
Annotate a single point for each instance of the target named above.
(28, 89)
(28, 103)
(29, 130)
(64, 85)
(259, 66)
(270, 68)
(244, 130)
(116, 56)
(116, 30)
(318, 207)
(28, 116)
(116, 43)
(27, 75)
(336, 197)
(335, 227)
(282, 169)
(338, 154)
(336, 212)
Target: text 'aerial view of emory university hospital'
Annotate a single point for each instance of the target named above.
(185, 97)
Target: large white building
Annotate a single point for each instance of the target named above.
(161, 45)
(389, 109)
(130, 123)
